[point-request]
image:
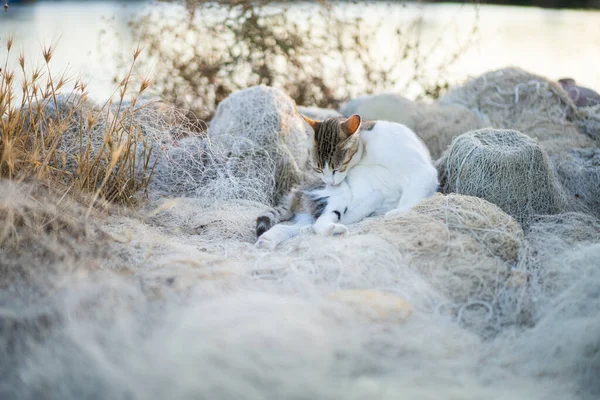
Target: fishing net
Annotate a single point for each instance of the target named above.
(506, 168)
(464, 246)
(452, 297)
(515, 99)
(269, 119)
(256, 148)
(579, 172)
(44, 232)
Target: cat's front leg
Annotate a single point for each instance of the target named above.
(327, 224)
(401, 208)
(282, 232)
(331, 229)
(271, 238)
(420, 187)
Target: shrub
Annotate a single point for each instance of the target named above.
(319, 56)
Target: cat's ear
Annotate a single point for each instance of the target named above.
(351, 125)
(313, 123)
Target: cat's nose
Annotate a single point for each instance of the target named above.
(328, 180)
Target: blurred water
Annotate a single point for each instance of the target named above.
(553, 43)
(75, 27)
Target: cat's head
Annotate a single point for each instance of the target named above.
(336, 147)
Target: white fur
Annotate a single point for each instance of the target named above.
(392, 172)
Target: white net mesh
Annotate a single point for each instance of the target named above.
(506, 168)
(256, 148)
(199, 167)
(174, 301)
(588, 121)
(465, 246)
(564, 341)
(269, 119)
(579, 172)
(548, 237)
(515, 99)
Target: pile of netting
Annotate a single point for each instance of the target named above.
(515, 99)
(486, 290)
(539, 108)
(507, 168)
(42, 230)
(256, 148)
(453, 293)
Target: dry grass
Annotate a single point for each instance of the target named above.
(50, 136)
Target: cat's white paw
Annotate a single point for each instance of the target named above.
(265, 242)
(332, 230)
(395, 212)
(339, 230)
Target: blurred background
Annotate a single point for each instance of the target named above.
(321, 52)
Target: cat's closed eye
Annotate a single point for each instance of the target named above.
(318, 170)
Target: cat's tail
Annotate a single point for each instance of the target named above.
(283, 212)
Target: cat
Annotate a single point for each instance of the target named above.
(365, 168)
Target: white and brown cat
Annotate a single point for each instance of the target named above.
(366, 168)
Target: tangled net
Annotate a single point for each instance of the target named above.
(579, 173)
(215, 220)
(506, 168)
(515, 99)
(565, 340)
(43, 232)
(401, 305)
(269, 119)
(435, 125)
(464, 246)
(588, 121)
(200, 167)
(256, 149)
(548, 237)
